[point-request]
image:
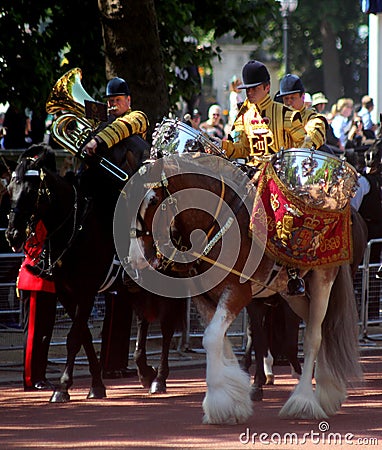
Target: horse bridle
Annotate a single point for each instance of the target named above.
(166, 262)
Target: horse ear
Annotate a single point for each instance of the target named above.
(373, 154)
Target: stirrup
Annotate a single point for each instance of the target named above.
(295, 285)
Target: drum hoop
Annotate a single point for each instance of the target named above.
(318, 153)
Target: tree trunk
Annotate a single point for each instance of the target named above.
(333, 85)
(132, 51)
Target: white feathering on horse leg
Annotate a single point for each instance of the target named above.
(227, 400)
(268, 368)
(229, 403)
(302, 404)
(330, 393)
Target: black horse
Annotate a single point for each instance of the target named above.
(272, 328)
(80, 249)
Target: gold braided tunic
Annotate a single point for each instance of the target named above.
(132, 122)
(285, 126)
(315, 125)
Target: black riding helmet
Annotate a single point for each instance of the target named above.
(254, 73)
(291, 84)
(117, 86)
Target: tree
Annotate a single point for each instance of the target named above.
(332, 56)
(120, 38)
(146, 41)
(132, 50)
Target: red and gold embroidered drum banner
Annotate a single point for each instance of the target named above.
(300, 235)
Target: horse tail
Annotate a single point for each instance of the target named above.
(339, 351)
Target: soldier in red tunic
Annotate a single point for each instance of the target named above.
(39, 312)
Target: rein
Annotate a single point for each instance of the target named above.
(44, 190)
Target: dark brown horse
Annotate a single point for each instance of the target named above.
(81, 246)
(192, 220)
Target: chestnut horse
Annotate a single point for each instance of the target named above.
(192, 222)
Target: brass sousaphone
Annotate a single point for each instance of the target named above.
(70, 128)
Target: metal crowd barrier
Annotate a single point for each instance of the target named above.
(367, 291)
(371, 305)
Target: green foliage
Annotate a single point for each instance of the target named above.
(69, 31)
(38, 37)
(306, 43)
(179, 20)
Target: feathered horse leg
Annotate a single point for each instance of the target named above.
(227, 399)
(303, 404)
(338, 359)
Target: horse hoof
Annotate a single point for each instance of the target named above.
(270, 379)
(147, 380)
(158, 387)
(256, 394)
(97, 392)
(60, 397)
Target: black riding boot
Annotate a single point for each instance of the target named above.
(42, 268)
(296, 285)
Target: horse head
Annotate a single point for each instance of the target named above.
(29, 192)
(194, 211)
(373, 156)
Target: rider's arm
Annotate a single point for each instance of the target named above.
(239, 149)
(135, 122)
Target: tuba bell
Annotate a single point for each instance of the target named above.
(70, 128)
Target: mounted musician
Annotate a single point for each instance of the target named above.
(123, 123)
(265, 126)
(113, 144)
(292, 93)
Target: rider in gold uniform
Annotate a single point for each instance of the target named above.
(279, 126)
(263, 127)
(292, 92)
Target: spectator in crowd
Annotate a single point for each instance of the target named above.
(3, 130)
(16, 125)
(307, 100)
(357, 136)
(371, 211)
(342, 121)
(365, 114)
(214, 126)
(193, 119)
(319, 102)
(235, 100)
(7, 166)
